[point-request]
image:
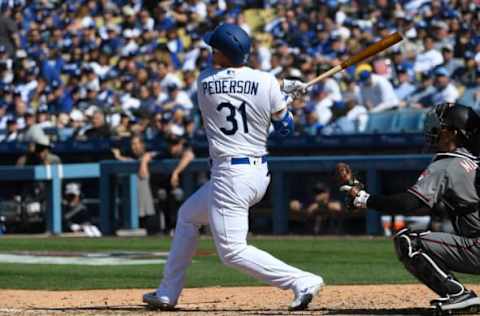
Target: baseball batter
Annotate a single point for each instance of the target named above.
(238, 104)
(450, 186)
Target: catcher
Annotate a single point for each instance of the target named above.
(451, 186)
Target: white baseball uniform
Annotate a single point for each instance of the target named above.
(236, 106)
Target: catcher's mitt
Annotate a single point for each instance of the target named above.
(348, 182)
(345, 176)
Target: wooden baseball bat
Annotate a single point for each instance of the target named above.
(371, 50)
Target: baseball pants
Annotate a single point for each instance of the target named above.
(453, 252)
(223, 203)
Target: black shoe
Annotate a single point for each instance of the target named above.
(462, 301)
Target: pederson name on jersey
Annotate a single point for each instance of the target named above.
(230, 87)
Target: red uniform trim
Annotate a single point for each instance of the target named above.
(419, 195)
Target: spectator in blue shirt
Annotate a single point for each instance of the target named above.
(404, 87)
(422, 96)
(113, 43)
(3, 114)
(471, 95)
(12, 132)
(320, 43)
(450, 63)
(311, 126)
(175, 47)
(59, 99)
(303, 36)
(445, 90)
(466, 75)
(51, 68)
(164, 22)
(336, 48)
(147, 101)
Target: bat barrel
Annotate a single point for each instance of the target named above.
(373, 49)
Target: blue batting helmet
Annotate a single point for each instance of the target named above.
(232, 41)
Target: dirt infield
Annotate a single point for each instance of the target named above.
(333, 300)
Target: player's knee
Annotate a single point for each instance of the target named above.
(185, 226)
(407, 243)
(184, 216)
(231, 256)
(227, 259)
(402, 242)
(230, 259)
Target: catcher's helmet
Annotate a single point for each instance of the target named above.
(454, 116)
(232, 41)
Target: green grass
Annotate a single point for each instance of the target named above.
(339, 261)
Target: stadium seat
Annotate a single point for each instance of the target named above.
(400, 121)
(381, 122)
(408, 121)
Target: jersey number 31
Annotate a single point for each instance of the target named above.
(231, 117)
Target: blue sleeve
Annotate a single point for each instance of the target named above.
(284, 126)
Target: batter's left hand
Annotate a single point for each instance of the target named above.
(294, 87)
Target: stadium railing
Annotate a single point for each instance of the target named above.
(53, 176)
(279, 166)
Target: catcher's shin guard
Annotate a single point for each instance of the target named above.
(409, 250)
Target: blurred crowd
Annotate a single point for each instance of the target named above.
(117, 68)
(438, 61)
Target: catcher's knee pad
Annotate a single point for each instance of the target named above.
(409, 249)
(405, 243)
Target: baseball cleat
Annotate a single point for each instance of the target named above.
(466, 300)
(158, 302)
(438, 301)
(304, 297)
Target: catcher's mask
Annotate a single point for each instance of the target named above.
(451, 116)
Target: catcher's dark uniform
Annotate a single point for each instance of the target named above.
(449, 185)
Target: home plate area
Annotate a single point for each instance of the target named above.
(333, 300)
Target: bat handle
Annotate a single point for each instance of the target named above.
(324, 75)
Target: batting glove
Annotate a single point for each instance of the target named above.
(359, 199)
(294, 87)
